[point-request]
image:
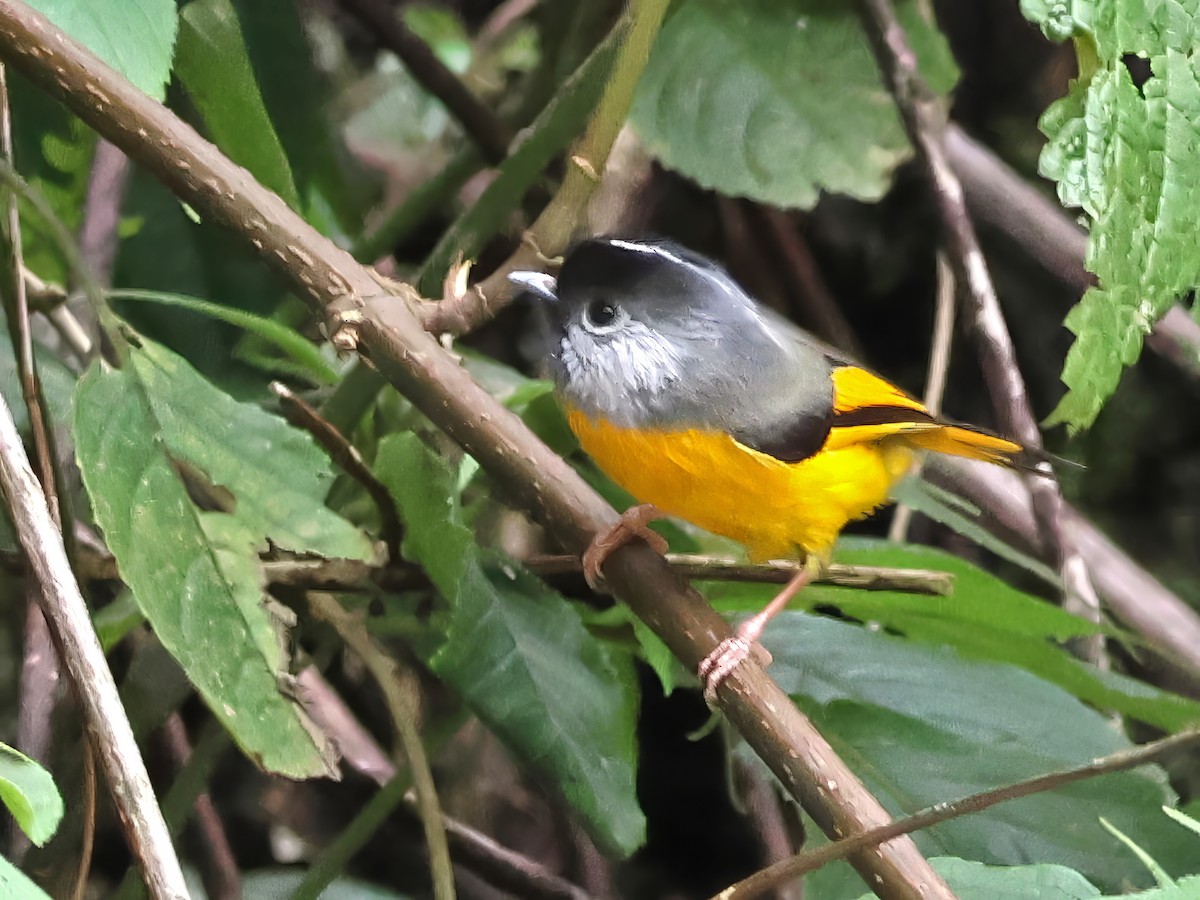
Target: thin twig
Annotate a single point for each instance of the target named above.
(820, 306)
(398, 689)
(926, 125)
(501, 867)
(719, 568)
(104, 717)
(479, 122)
(219, 870)
(935, 378)
(760, 882)
(557, 224)
(388, 332)
(351, 576)
(301, 414)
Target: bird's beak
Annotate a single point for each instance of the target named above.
(539, 284)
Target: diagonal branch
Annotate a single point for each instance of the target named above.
(778, 874)
(926, 126)
(479, 122)
(348, 298)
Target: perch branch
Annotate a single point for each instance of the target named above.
(386, 330)
(926, 125)
(780, 873)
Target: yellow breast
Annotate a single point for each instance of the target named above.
(776, 510)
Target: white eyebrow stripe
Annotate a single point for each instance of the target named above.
(647, 248)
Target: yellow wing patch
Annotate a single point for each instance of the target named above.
(854, 388)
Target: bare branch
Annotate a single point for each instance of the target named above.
(554, 229)
(383, 20)
(103, 715)
(761, 882)
(926, 126)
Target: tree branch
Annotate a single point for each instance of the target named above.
(926, 127)
(387, 332)
(480, 124)
(556, 226)
(103, 715)
(780, 873)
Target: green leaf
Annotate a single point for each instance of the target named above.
(215, 68)
(922, 724)
(305, 357)
(779, 100)
(984, 618)
(975, 881)
(1160, 874)
(195, 574)
(30, 795)
(15, 884)
(135, 37)
(520, 655)
(1126, 155)
(298, 100)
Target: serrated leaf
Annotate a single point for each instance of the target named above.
(15, 884)
(976, 881)
(921, 725)
(779, 100)
(521, 656)
(214, 66)
(135, 37)
(1127, 154)
(30, 795)
(195, 574)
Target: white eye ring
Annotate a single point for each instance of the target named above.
(604, 317)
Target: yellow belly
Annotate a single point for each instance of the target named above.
(776, 510)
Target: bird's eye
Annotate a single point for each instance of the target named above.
(601, 313)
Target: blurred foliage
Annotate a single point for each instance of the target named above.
(544, 705)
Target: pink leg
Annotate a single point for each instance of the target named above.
(733, 651)
(630, 527)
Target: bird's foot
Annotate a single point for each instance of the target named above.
(632, 525)
(729, 654)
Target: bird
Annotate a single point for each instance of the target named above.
(708, 407)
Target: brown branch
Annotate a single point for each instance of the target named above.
(1131, 593)
(349, 575)
(556, 226)
(926, 126)
(500, 866)
(104, 717)
(346, 455)
(388, 333)
(801, 267)
(780, 873)
(935, 377)
(479, 122)
(219, 869)
(398, 685)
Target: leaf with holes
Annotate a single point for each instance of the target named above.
(144, 436)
